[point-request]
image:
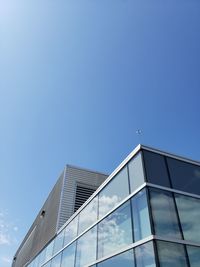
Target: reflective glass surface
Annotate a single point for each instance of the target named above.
(115, 231)
(56, 261)
(48, 264)
(42, 257)
(144, 255)
(189, 214)
(194, 256)
(136, 172)
(171, 254)
(86, 248)
(58, 243)
(140, 216)
(114, 192)
(71, 231)
(68, 256)
(184, 176)
(164, 214)
(49, 251)
(156, 169)
(88, 215)
(125, 259)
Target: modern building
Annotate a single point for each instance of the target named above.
(73, 187)
(145, 214)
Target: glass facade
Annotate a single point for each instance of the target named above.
(122, 226)
(115, 231)
(140, 213)
(136, 172)
(116, 190)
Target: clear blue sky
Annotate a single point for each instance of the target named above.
(77, 79)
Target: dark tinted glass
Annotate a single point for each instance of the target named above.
(115, 231)
(189, 214)
(171, 254)
(164, 214)
(184, 176)
(144, 255)
(194, 256)
(125, 259)
(156, 169)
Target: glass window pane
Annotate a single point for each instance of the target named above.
(189, 213)
(42, 257)
(114, 192)
(48, 264)
(58, 243)
(86, 248)
(49, 251)
(35, 262)
(136, 172)
(184, 176)
(125, 259)
(156, 169)
(88, 215)
(115, 231)
(71, 231)
(164, 214)
(144, 255)
(68, 256)
(56, 261)
(140, 212)
(171, 254)
(194, 256)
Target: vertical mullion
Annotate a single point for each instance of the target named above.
(131, 205)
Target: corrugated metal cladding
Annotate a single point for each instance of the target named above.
(74, 179)
(43, 228)
(57, 209)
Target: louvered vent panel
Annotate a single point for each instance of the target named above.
(82, 194)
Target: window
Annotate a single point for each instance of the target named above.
(164, 214)
(58, 243)
(189, 214)
(71, 231)
(49, 250)
(125, 259)
(115, 231)
(194, 256)
(171, 254)
(86, 248)
(56, 261)
(88, 215)
(136, 172)
(114, 192)
(48, 264)
(42, 257)
(144, 255)
(68, 256)
(156, 169)
(140, 216)
(184, 176)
